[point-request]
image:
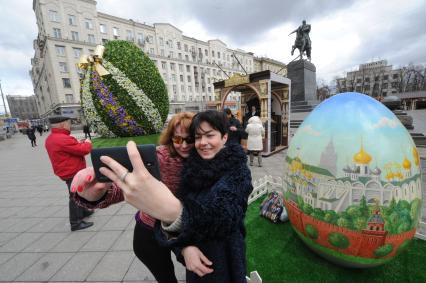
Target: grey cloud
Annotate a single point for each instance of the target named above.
(244, 21)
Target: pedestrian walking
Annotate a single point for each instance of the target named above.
(256, 134)
(66, 154)
(31, 135)
(86, 130)
(40, 130)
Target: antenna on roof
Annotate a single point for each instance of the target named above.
(233, 54)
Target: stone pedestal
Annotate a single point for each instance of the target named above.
(302, 74)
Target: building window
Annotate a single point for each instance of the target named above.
(129, 35)
(161, 41)
(71, 20)
(88, 23)
(162, 52)
(180, 56)
(171, 54)
(63, 67)
(163, 65)
(190, 90)
(181, 78)
(212, 53)
(57, 33)
(180, 68)
(164, 76)
(185, 47)
(206, 52)
(385, 77)
(60, 50)
(140, 38)
(186, 58)
(102, 28)
(91, 38)
(74, 36)
(172, 66)
(77, 52)
(178, 45)
(104, 40)
(151, 51)
(69, 98)
(66, 82)
(54, 16)
(149, 39)
(188, 68)
(182, 88)
(115, 32)
(173, 78)
(188, 78)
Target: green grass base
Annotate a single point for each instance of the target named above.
(111, 142)
(279, 255)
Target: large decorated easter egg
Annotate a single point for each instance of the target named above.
(353, 182)
(122, 92)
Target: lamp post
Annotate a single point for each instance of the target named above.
(4, 104)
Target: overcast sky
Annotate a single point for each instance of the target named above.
(344, 34)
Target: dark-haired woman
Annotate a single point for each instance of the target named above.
(208, 213)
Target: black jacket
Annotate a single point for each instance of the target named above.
(214, 194)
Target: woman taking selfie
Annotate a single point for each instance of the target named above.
(175, 145)
(204, 224)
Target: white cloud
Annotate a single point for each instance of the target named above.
(310, 131)
(386, 122)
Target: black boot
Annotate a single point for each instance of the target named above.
(80, 226)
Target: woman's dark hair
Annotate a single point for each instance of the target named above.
(217, 120)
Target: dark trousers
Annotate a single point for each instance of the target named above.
(155, 257)
(33, 142)
(87, 135)
(77, 213)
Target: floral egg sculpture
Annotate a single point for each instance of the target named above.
(352, 182)
(122, 92)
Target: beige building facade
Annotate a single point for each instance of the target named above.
(376, 79)
(189, 67)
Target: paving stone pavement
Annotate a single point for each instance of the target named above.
(36, 244)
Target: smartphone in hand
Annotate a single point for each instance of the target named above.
(119, 154)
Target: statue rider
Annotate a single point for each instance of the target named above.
(303, 41)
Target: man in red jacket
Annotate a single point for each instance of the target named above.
(66, 154)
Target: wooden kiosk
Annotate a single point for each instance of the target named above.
(270, 93)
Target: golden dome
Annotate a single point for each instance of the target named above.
(416, 156)
(406, 163)
(362, 157)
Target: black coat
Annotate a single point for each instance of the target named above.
(31, 134)
(235, 136)
(214, 194)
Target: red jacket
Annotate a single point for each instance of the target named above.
(66, 153)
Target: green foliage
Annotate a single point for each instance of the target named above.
(311, 231)
(307, 208)
(354, 211)
(300, 202)
(360, 223)
(338, 240)
(318, 213)
(331, 216)
(383, 250)
(363, 207)
(140, 70)
(111, 142)
(344, 222)
(415, 212)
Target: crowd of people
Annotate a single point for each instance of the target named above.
(196, 211)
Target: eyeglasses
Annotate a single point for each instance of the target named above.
(180, 140)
